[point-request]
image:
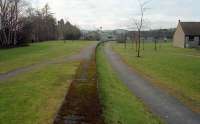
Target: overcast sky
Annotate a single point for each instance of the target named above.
(115, 14)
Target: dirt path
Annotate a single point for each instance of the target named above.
(82, 105)
(85, 53)
(160, 103)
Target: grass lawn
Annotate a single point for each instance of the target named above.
(35, 97)
(119, 105)
(11, 59)
(174, 69)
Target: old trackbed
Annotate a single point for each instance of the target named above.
(82, 105)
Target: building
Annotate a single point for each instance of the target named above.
(187, 35)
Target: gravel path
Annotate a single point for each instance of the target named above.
(85, 53)
(160, 103)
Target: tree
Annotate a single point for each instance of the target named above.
(155, 43)
(159, 36)
(9, 16)
(71, 32)
(92, 35)
(20, 23)
(61, 29)
(42, 21)
(121, 37)
(139, 24)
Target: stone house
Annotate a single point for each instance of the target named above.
(187, 35)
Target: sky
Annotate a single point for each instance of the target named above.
(120, 14)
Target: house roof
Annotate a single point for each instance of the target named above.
(191, 28)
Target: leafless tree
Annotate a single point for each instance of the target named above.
(143, 44)
(158, 39)
(9, 16)
(155, 45)
(125, 40)
(140, 23)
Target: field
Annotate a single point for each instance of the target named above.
(174, 69)
(35, 97)
(11, 59)
(119, 105)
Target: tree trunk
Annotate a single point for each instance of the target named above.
(136, 45)
(155, 45)
(132, 43)
(143, 44)
(125, 44)
(139, 44)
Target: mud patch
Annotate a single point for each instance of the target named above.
(82, 105)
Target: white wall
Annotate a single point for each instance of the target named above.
(179, 37)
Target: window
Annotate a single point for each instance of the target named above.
(191, 38)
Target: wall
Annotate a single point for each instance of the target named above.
(179, 37)
(194, 43)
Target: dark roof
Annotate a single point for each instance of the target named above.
(191, 28)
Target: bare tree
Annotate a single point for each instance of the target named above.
(132, 40)
(125, 40)
(140, 23)
(158, 38)
(9, 16)
(155, 47)
(143, 44)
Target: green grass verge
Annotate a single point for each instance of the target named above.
(35, 97)
(119, 105)
(11, 59)
(174, 69)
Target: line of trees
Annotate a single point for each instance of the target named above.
(9, 21)
(20, 24)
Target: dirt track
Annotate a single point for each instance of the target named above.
(82, 105)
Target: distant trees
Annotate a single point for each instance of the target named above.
(164, 33)
(61, 29)
(19, 24)
(71, 32)
(91, 35)
(122, 38)
(41, 24)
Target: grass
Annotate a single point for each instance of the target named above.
(119, 105)
(35, 97)
(173, 69)
(11, 59)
